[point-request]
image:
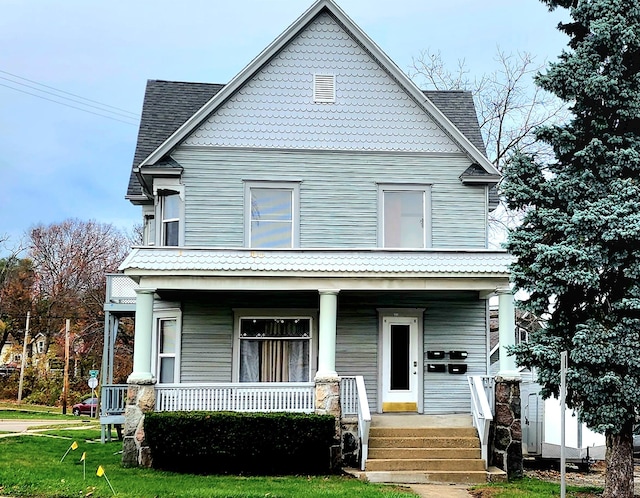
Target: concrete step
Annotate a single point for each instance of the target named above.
(422, 432)
(426, 477)
(441, 464)
(424, 442)
(424, 453)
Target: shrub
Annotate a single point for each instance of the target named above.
(231, 442)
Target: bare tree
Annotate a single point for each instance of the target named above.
(70, 260)
(509, 106)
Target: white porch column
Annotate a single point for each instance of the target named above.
(507, 332)
(142, 338)
(327, 329)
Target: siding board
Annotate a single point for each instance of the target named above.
(338, 195)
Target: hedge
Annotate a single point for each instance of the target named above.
(245, 443)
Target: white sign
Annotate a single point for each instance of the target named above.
(93, 382)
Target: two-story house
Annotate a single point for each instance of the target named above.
(315, 220)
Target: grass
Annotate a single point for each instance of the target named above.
(30, 466)
(532, 488)
(27, 413)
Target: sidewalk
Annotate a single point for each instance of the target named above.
(441, 490)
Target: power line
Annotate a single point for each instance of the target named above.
(65, 92)
(100, 108)
(68, 105)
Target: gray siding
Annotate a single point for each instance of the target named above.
(207, 335)
(454, 325)
(338, 195)
(452, 321)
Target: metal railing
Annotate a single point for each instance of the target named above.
(481, 411)
(240, 397)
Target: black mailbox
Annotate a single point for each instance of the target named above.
(458, 355)
(435, 355)
(457, 368)
(436, 367)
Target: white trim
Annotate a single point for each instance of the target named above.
(293, 187)
(254, 66)
(158, 316)
(160, 188)
(413, 318)
(426, 211)
(267, 313)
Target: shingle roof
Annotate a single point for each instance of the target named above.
(458, 106)
(168, 104)
(312, 262)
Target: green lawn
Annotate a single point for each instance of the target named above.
(534, 488)
(30, 466)
(25, 412)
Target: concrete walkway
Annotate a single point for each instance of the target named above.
(15, 427)
(440, 490)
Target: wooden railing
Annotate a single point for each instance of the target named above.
(113, 399)
(354, 401)
(481, 410)
(238, 397)
(348, 396)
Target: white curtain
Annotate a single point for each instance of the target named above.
(249, 361)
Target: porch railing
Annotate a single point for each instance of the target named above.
(481, 411)
(354, 401)
(245, 397)
(113, 399)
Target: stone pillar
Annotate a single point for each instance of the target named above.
(507, 333)
(326, 379)
(327, 332)
(507, 430)
(142, 338)
(141, 399)
(141, 396)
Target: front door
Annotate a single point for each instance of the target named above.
(400, 364)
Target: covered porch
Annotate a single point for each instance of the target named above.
(194, 281)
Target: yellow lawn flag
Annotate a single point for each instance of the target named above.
(74, 446)
(84, 455)
(100, 471)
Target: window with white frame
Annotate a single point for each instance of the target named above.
(275, 349)
(404, 216)
(167, 345)
(170, 218)
(271, 214)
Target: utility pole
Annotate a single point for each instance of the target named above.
(24, 357)
(65, 388)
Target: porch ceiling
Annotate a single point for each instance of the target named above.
(313, 269)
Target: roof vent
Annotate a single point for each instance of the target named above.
(324, 88)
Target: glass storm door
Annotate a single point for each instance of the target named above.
(400, 364)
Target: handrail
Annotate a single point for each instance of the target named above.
(481, 413)
(364, 420)
(113, 399)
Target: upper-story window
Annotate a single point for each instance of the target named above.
(404, 220)
(170, 212)
(271, 214)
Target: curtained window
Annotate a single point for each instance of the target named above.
(275, 349)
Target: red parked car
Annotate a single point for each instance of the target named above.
(88, 406)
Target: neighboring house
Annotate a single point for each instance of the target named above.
(316, 219)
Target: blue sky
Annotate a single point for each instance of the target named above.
(59, 162)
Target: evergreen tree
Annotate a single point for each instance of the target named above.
(578, 248)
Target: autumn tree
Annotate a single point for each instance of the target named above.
(578, 246)
(70, 260)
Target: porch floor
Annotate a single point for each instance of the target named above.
(416, 420)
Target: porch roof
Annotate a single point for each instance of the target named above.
(316, 262)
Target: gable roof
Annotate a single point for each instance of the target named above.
(453, 111)
(166, 106)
